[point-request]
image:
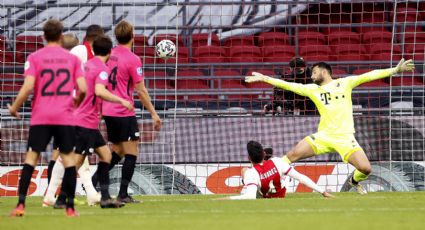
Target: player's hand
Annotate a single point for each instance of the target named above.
(405, 66)
(13, 111)
(157, 123)
(127, 104)
(327, 195)
(256, 77)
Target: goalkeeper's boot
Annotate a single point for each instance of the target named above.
(70, 212)
(18, 211)
(359, 188)
(110, 203)
(127, 199)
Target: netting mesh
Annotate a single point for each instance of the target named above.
(210, 113)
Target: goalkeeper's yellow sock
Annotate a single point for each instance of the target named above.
(359, 176)
(286, 159)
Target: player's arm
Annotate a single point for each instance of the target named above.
(23, 94)
(306, 181)
(82, 90)
(144, 97)
(403, 66)
(294, 87)
(102, 92)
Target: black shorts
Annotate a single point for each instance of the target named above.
(40, 136)
(87, 140)
(121, 129)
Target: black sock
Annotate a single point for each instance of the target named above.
(115, 159)
(69, 184)
(353, 181)
(127, 174)
(49, 170)
(103, 170)
(24, 182)
(61, 198)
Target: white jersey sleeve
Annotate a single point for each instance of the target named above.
(285, 169)
(252, 182)
(81, 52)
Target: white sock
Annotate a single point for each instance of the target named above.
(85, 177)
(57, 175)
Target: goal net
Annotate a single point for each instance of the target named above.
(210, 113)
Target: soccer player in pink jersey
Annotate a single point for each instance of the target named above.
(126, 77)
(53, 73)
(87, 118)
(266, 177)
(55, 169)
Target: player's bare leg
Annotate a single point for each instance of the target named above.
(129, 150)
(363, 169)
(103, 169)
(301, 151)
(31, 160)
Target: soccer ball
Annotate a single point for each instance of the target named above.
(165, 49)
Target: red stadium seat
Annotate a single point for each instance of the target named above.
(209, 54)
(193, 81)
(406, 14)
(3, 43)
(342, 19)
(373, 37)
(164, 84)
(205, 39)
(245, 54)
(406, 81)
(29, 43)
(343, 37)
(6, 58)
(239, 40)
(140, 40)
(415, 51)
(310, 38)
(412, 37)
(339, 73)
(146, 54)
(182, 56)
(350, 52)
(278, 53)
(273, 39)
(384, 51)
(260, 85)
(10, 82)
(172, 37)
(234, 83)
(315, 53)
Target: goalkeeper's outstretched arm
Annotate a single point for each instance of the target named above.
(403, 66)
(294, 87)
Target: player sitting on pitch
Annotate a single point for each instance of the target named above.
(336, 129)
(266, 177)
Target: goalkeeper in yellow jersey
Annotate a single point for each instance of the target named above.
(332, 98)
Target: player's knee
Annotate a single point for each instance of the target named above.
(293, 155)
(365, 169)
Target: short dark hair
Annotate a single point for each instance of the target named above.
(323, 65)
(297, 62)
(255, 151)
(123, 32)
(93, 31)
(52, 29)
(102, 45)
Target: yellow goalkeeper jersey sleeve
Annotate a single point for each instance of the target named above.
(333, 100)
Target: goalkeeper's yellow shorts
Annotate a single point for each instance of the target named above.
(344, 144)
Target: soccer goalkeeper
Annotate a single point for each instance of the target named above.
(336, 128)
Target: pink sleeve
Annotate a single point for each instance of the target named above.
(78, 68)
(30, 67)
(136, 71)
(102, 78)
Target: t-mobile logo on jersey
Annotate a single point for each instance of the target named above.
(269, 173)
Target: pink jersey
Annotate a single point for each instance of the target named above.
(270, 174)
(126, 72)
(55, 71)
(87, 115)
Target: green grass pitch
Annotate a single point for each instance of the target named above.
(382, 211)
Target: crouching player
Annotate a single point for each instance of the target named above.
(87, 119)
(266, 177)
